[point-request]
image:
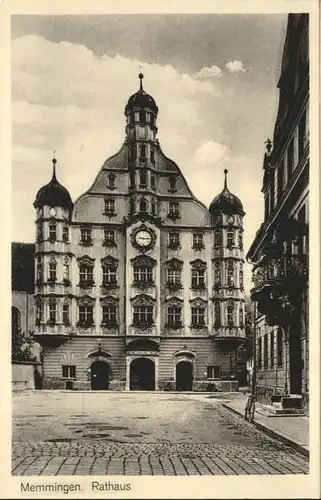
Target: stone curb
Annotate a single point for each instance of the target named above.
(272, 433)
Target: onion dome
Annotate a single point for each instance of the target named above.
(141, 99)
(53, 194)
(226, 202)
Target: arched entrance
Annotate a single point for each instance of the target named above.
(142, 374)
(99, 379)
(184, 376)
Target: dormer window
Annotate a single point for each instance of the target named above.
(111, 181)
(173, 210)
(109, 206)
(172, 184)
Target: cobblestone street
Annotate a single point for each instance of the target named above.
(56, 433)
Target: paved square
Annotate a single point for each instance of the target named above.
(105, 433)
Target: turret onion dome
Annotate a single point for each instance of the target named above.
(53, 194)
(226, 202)
(141, 99)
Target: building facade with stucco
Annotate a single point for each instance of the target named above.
(138, 285)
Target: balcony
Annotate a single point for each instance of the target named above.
(278, 284)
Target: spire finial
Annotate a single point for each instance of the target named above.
(225, 180)
(141, 76)
(54, 161)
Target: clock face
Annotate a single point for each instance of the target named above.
(52, 212)
(230, 219)
(143, 238)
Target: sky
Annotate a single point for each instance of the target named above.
(214, 78)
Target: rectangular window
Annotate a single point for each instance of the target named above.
(272, 349)
(40, 232)
(52, 271)
(39, 312)
(142, 152)
(109, 207)
(153, 181)
(68, 371)
(172, 182)
(66, 273)
(86, 274)
(302, 135)
(280, 178)
(65, 234)
(65, 313)
(259, 353)
(143, 275)
(109, 276)
(39, 271)
(142, 116)
(213, 372)
(280, 347)
(52, 232)
(198, 279)
(143, 314)
(52, 311)
(85, 236)
(265, 351)
(174, 240)
(174, 276)
(198, 240)
(86, 314)
(109, 237)
(290, 159)
(109, 315)
(111, 181)
(174, 316)
(174, 209)
(198, 316)
(142, 179)
(152, 156)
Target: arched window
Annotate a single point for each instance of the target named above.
(217, 238)
(230, 313)
(15, 321)
(230, 273)
(143, 205)
(230, 236)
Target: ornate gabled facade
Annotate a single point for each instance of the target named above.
(280, 249)
(137, 280)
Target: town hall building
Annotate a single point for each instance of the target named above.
(138, 285)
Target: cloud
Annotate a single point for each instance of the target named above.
(235, 66)
(210, 152)
(209, 72)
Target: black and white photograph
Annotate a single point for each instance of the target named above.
(160, 222)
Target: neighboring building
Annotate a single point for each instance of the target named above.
(138, 284)
(22, 287)
(280, 248)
